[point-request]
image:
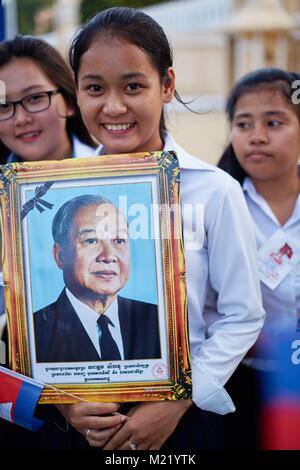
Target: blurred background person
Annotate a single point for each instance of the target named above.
(264, 115)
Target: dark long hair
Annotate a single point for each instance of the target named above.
(135, 27)
(274, 79)
(55, 68)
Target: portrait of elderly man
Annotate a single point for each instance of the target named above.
(90, 321)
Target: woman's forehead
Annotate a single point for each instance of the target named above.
(21, 75)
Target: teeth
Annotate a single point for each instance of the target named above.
(117, 127)
(29, 134)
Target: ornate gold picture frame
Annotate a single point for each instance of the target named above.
(53, 268)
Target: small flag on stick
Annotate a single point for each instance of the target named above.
(18, 398)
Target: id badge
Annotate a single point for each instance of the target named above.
(277, 257)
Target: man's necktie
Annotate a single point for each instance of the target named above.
(108, 347)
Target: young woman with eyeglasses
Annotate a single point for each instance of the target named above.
(39, 120)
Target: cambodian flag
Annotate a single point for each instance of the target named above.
(18, 398)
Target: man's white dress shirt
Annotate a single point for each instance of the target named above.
(89, 318)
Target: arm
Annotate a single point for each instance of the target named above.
(230, 254)
(235, 293)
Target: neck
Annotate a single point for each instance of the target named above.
(280, 193)
(65, 150)
(157, 147)
(101, 304)
(279, 188)
(98, 303)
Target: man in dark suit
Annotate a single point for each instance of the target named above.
(90, 321)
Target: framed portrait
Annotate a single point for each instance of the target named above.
(94, 277)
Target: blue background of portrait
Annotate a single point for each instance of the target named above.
(47, 280)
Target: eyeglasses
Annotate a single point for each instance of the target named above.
(32, 103)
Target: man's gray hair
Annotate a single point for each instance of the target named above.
(62, 222)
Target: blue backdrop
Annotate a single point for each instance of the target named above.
(46, 278)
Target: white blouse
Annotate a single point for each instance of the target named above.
(282, 304)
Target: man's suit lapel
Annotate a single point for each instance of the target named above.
(124, 319)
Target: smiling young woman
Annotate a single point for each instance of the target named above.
(124, 74)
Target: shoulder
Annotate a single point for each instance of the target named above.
(213, 192)
(205, 173)
(136, 305)
(52, 311)
(209, 184)
(46, 314)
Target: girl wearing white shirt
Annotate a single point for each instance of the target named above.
(122, 64)
(264, 115)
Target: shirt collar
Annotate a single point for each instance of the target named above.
(248, 187)
(13, 158)
(79, 149)
(88, 316)
(186, 161)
